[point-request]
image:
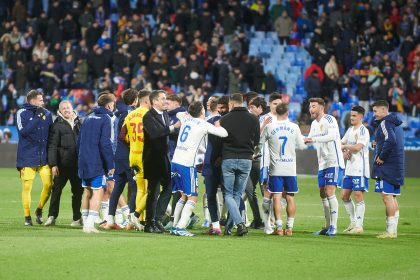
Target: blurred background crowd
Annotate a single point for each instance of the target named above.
(348, 52)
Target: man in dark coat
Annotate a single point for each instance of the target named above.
(62, 157)
(157, 169)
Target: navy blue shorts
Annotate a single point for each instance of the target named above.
(385, 187)
(95, 183)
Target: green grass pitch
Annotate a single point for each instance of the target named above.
(62, 252)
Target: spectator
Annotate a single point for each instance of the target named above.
(276, 10)
(41, 51)
(283, 26)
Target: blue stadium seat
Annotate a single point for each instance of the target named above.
(272, 35)
(259, 34)
(292, 49)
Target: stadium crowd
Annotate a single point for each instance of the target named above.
(74, 49)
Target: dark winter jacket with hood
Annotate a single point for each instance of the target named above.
(389, 137)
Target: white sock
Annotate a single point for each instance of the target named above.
(126, 211)
(220, 203)
(290, 222)
(110, 220)
(215, 225)
(244, 214)
(168, 211)
(91, 218)
(104, 209)
(279, 224)
(397, 217)
(85, 214)
(390, 224)
(332, 200)
(186, 213)
(119, 219)
(178, 210)
(266, 205)
(326, 212)
(206, 208)
(350, 209)
(360, 213)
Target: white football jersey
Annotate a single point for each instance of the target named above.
(191, 135)
(358, 165)
(282, 137)
(265, 153)
(327, 141)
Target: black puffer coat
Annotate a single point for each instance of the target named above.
(62, 147)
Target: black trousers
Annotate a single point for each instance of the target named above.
(250, 190)
(157, 201)
(59, 182)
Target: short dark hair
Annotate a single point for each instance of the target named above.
(223, 100)
(143, 93)
(174, 97)
(104, 92)
(259, 101)
(318, 100)
(274, 96)
(380, 103)
(195, 109)
(250, 95)
(154, 95)
(236, 98)
(32, 94)
(129, 96)
(358, 109)
(213, 103)
(105, 99)
(282, 109)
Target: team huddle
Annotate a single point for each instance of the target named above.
(157, 148)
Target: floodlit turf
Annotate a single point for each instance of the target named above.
(62, 252)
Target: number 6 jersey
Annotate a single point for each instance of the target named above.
(283, 138)
(191, 133)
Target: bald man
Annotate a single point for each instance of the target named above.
(62, 157)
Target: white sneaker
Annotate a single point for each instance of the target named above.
(268, 230)
(349, 228)
(356, 230)
(77, 223)
(50, 221)
(136, 223)
(387, 235)
(90, 230)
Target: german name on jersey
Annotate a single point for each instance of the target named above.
(191, 134)
(358, 165)
(135, 135)
(326, 137)
(282, 137)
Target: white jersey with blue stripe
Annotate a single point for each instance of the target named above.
(191, 135)
(326, 137)
(282, 137)
(358, 165)
(265, 153)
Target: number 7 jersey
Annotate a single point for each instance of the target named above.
(135, 136)
(283, 138)
(191, 134)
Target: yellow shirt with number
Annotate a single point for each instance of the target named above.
(135, 135)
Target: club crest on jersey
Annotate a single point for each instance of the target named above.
(321, 127)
